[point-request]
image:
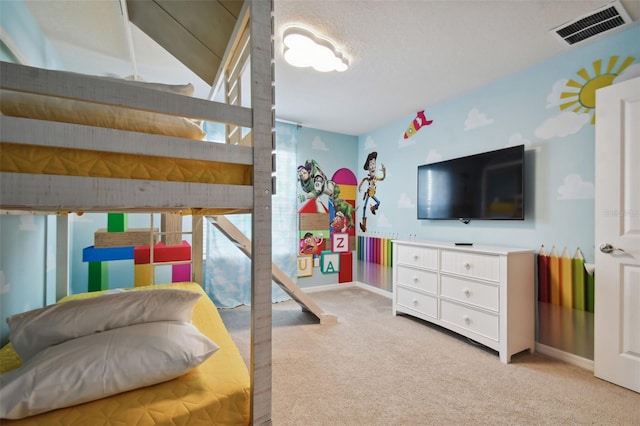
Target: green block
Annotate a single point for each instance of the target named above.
(98, 276)
(116, 222)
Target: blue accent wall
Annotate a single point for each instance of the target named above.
(523, 108)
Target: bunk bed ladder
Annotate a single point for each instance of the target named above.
(241, 241)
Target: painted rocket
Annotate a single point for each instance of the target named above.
(416, 124)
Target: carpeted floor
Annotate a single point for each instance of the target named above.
(376, 369)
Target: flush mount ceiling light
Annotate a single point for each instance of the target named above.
(304, 48)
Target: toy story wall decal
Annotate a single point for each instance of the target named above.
(328, 208)
(311, 244)
(314, 183)
(581, 97)
(370, 193)
(416, 124)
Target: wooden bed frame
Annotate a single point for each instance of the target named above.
(54, 194)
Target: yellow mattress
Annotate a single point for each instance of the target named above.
(214, 393)
(34, 159)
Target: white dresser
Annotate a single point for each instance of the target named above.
(482, 292)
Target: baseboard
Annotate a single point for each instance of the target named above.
(373, 289)
(326, 287)
(351, 284)
(567, 357)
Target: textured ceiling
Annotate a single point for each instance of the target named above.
(405, 55)
(408, 55)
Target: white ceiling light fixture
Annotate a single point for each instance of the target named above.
(304, 48)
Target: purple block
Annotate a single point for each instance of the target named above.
(181, 273)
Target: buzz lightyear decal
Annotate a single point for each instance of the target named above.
(370, 193)
(314, 183)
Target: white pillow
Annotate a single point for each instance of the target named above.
(32, 331)
(102, 364)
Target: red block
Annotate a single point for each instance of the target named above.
(162, 253)
(345, 274)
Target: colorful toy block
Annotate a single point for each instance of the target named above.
(93, 254)
(131, 237)
(162, 253)
(340, 242)
(181, 273)
(346, 267)
(98, 276)
(143, 275)
(116, 222)
(329, 262)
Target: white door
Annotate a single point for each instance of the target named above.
(617, 221)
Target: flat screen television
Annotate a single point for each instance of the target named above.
(485, 186)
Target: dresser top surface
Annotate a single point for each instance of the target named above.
(480, 248)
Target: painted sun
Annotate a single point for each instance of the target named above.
(583, 98)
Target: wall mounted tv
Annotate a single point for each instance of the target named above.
(485, 186)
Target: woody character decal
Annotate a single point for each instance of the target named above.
(370, 167)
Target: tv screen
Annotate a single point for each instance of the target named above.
(486, 186)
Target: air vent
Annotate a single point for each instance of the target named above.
(595, 23)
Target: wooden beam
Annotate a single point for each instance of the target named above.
(69, 193)
(197, 247)
(262, 103)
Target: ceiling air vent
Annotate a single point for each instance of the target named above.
(595, 23)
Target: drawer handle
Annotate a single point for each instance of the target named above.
(416, 280)
(467, 292)
(467, 265)
(416, 257)
(466, 319)
(415, 302)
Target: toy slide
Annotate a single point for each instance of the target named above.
(244, 244)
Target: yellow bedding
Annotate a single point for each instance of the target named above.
(215, 392)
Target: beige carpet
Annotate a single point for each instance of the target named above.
(376, 369)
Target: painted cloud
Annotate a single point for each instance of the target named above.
(318, 144)
(553, 98)
(369, 143)
(517, 139)
(405, 202)
(564, 124)
(574, 188)
(476, 119)
(433, 156)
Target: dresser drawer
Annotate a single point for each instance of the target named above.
(482, 266)
(481, 323)
(475, 293)
(427, 305)
(418, 278)
(423, 257)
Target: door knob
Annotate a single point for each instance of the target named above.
(608, 248)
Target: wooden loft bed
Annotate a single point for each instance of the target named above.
(28, 184)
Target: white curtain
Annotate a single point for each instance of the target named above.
(227, 272)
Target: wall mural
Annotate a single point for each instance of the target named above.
(583, 100)
(326, 220)
(416, 124)
(370, 193)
